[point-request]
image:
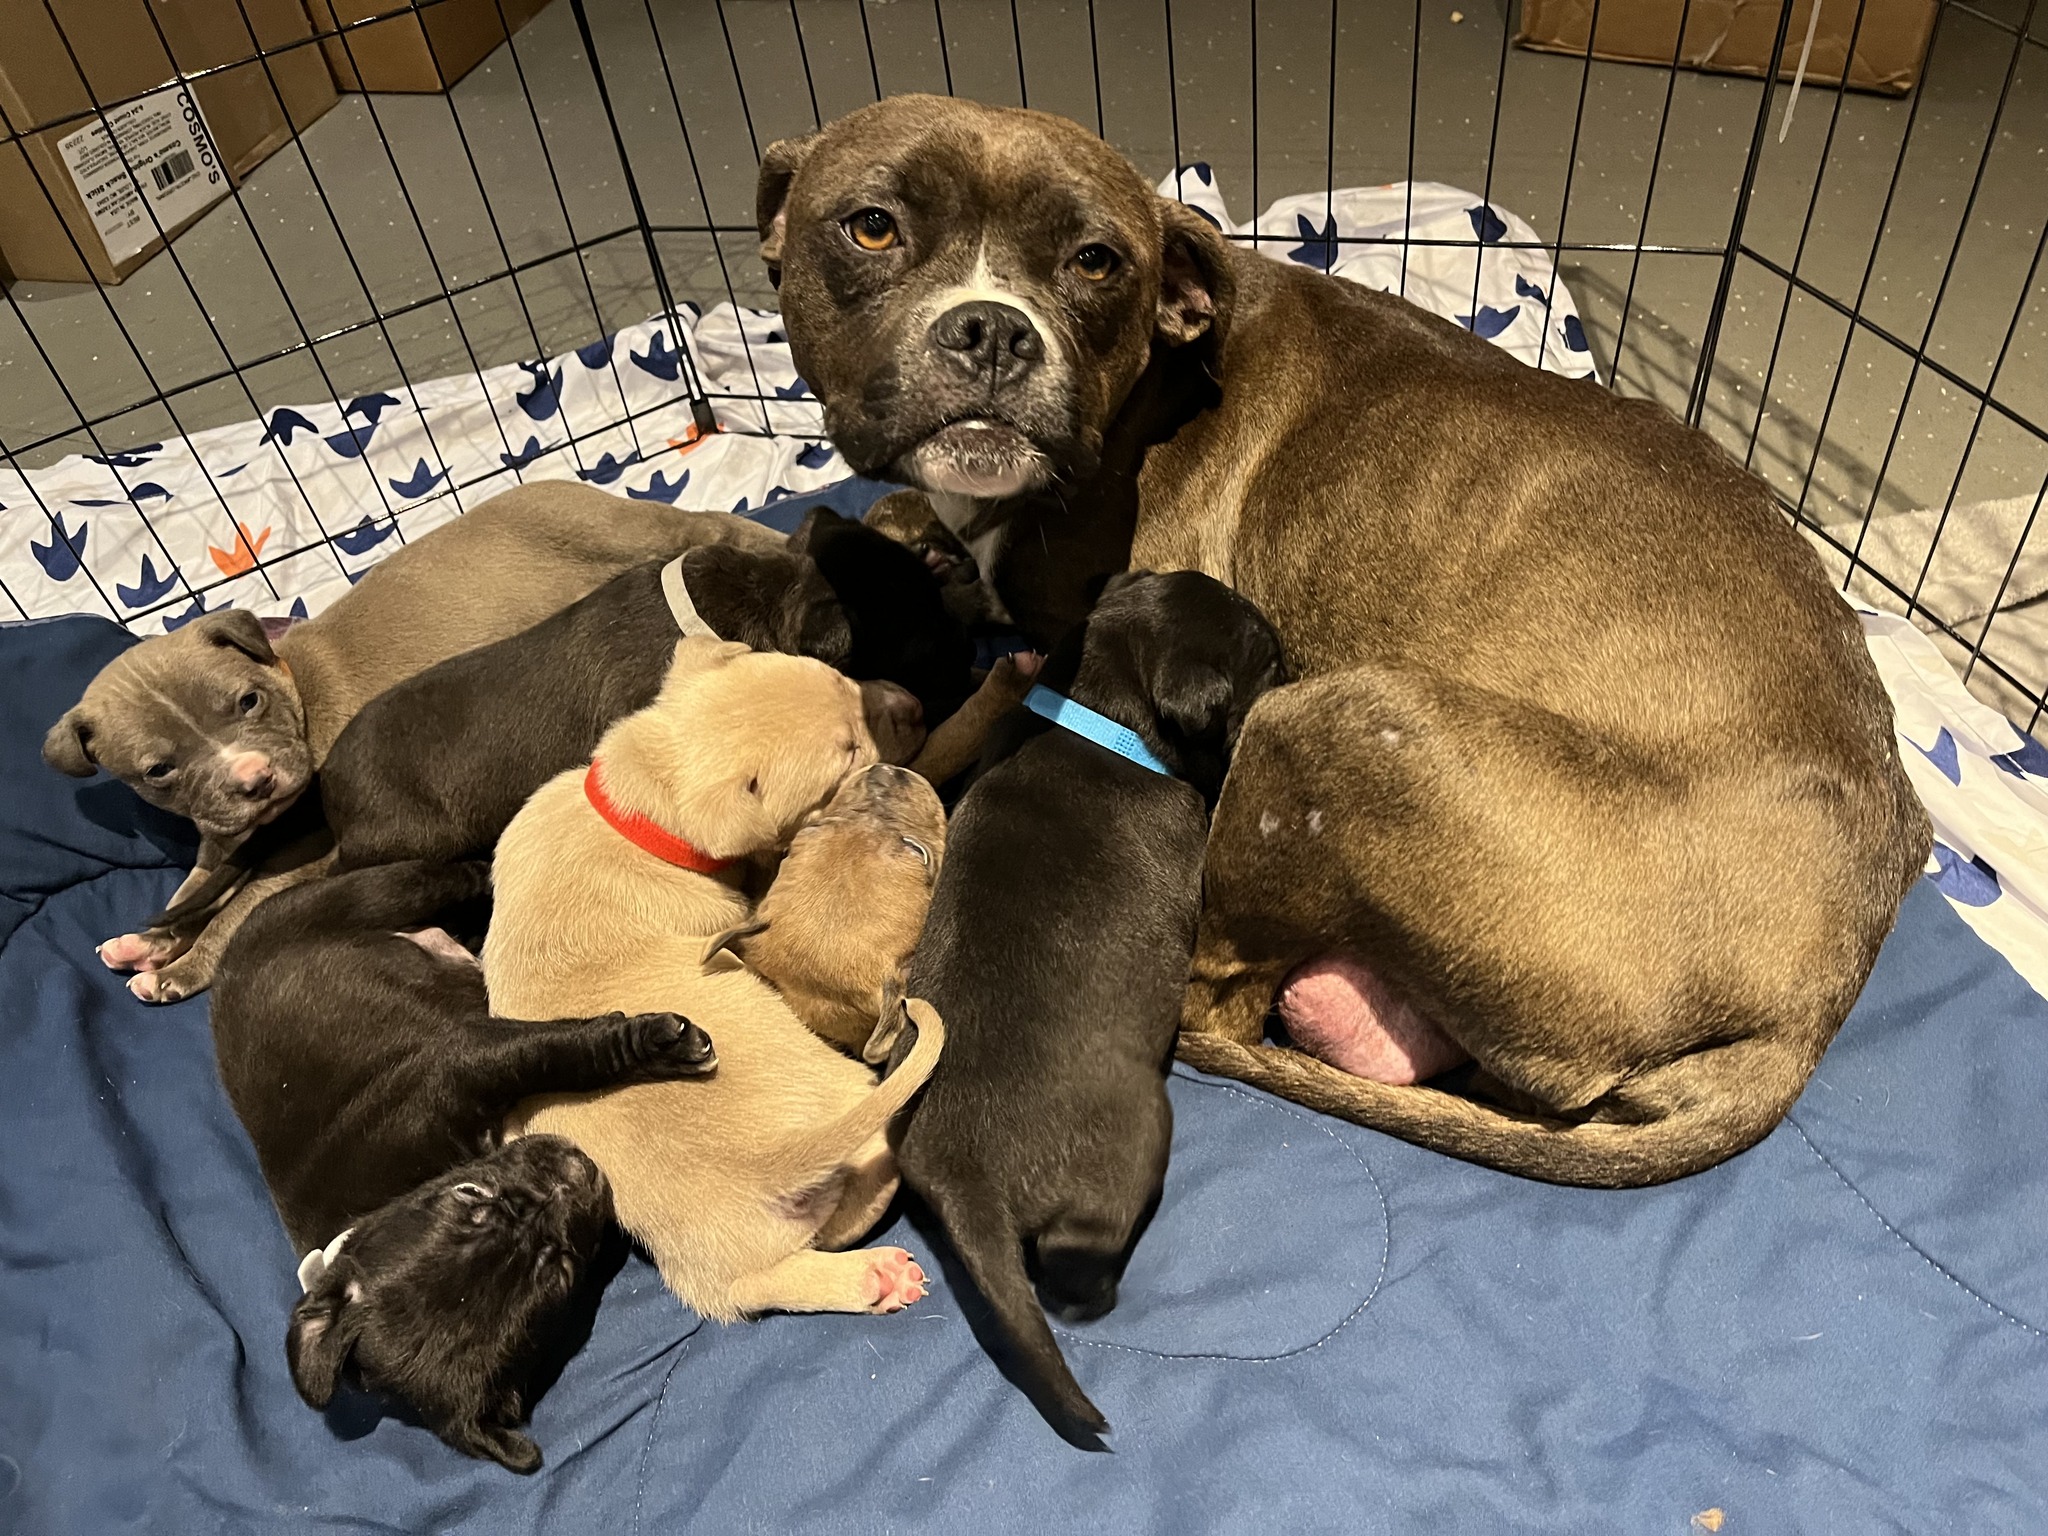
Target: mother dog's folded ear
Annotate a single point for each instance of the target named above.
(1196, 289)
(771, 195)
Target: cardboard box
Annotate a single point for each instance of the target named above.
(425, 49)
(1735, 36)
(185, 144)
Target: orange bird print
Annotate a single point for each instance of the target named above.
(233, 562)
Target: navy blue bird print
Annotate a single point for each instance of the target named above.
(814, 455)
(364, 537)
(545, 398)
(350, 442)
(370, 407)
(1489, 322)
(180, 620)
(659, 489)
(148, 585)
(60, 557)
(1486, 224)
(132, 458)
(608, 469)
(597, 354)
(1318, 247)
(659, 359)
(283, 423)
(524, 456)
(423, 480)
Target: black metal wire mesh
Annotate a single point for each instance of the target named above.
(1853, 302)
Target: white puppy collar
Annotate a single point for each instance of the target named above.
(688, 619)
(316, 1261)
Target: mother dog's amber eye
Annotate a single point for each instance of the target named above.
(872, 229)
(1095, 262)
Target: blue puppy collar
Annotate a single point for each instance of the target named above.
(1100, 729)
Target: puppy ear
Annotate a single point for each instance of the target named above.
(323, 1331)
(1196, 288)
(743, 593)
(771, 197)
(807, 530)
(893, 1028)
(724, 941)
(1197, 705)
(1119, 581)
(235, 629)
(509, 1448)
(888, 1022)
(701, 653)
(68, 746)
(817, 620)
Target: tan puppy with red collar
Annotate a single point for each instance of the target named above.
(608, 884)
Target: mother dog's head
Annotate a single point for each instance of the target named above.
(972, 291)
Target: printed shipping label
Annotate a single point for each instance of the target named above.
(171, 169)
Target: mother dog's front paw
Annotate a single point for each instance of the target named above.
(669, 1045)
(142, 951)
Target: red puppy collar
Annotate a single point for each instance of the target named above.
(643, 833)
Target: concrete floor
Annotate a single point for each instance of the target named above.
(389, 202)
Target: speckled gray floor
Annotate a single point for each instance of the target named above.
(390, 200)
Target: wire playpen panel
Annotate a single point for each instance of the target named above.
(1844, 289)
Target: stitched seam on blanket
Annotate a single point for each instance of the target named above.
(654, 1423)
(1386, 1252)
(1927, 1258)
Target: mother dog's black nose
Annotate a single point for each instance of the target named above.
(987, 337)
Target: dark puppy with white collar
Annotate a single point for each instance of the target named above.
(363, 1059)
(462, 1297)
(1058, 939)
(437, 767)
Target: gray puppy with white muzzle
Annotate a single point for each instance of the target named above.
(219, 722)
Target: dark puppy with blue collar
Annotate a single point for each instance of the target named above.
(1056, 950)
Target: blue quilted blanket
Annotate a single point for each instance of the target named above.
(1842, 1330)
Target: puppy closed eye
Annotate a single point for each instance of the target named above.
(923, 853)
(471, 1194)
(156, 773)
(249, 702)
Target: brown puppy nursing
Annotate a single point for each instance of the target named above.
(608, 885)
(833, 935)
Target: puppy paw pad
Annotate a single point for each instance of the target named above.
(130, 952)
(894, 1280)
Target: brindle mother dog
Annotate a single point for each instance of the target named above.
(1588, 773)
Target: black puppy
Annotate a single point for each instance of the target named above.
(364, 1062)
(1056, 950)
(460, 1297)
